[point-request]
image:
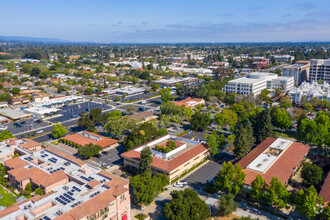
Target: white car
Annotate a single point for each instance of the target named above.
(40, 131)
(180, 184)
(2, 128)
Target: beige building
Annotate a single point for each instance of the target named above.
(173, 163)
(300, 72)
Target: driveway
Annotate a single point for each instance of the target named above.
(203, 173)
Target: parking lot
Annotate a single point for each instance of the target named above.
(207, 171)
(27, 124)
(112, 158)
(73, 111)
(197, 135)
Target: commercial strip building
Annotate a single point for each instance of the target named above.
(14, 114)
(274, 157)
(257, 81)
(85, 137)
(190, 102)
(173, 163)
(128, 90)
(42, 112)
(310, 90)
(319, 69)
(58, 101)
(171, 82)
(73, 189)
(300, 72)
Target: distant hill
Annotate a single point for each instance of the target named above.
(31, 39)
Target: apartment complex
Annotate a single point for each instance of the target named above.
(310, 90)
(72, 189)
(190, 102)
(319, 69)
(274, 157)
(299, 71)
(10, 146)
(173, 163)
(257, 81)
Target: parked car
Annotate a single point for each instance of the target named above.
(105, 152)
(3, 128)
(180, 184)
(40, 131)
(22, 122)
(98, 156)
(18, 124)
(38, 121)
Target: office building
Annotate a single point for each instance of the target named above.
(174, 162)
(300, 72)
(319, 69)
(257, 81)
(274, 157)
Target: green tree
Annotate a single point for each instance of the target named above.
(244, 139)
(311, 174)
(117, 126)
(115, 114)
(285, 102)
(89, 150)
(146, 186)
(277, 195)
(264, 96)
(15, 91)
(59, 130)
(307, 201)
(28, 187)
(282, 119)
(226, 117)
(155, 87)
(215, 142)
(230, 178)
(5, 135)
(186, 204)
(89, 91)
(145, 160)
(199, 121)
(165, 94)
(38, 191)
(259, 186)
(226, 204)
(262, 126)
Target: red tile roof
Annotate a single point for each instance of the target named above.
(82, 140)
(171, 164)
(283, 167)
(189, 99)
(325, 191)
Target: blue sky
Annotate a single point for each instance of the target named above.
(150, 21)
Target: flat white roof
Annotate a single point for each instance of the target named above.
(281, 144)
(265, 160)
(262, 162)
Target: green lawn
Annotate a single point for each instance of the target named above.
(7, 198)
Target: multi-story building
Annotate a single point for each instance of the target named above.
(310, 90)
(274, 157)
(257, 81)
(72, 189)
(173, 163)
(319, 69)
(300, 72)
